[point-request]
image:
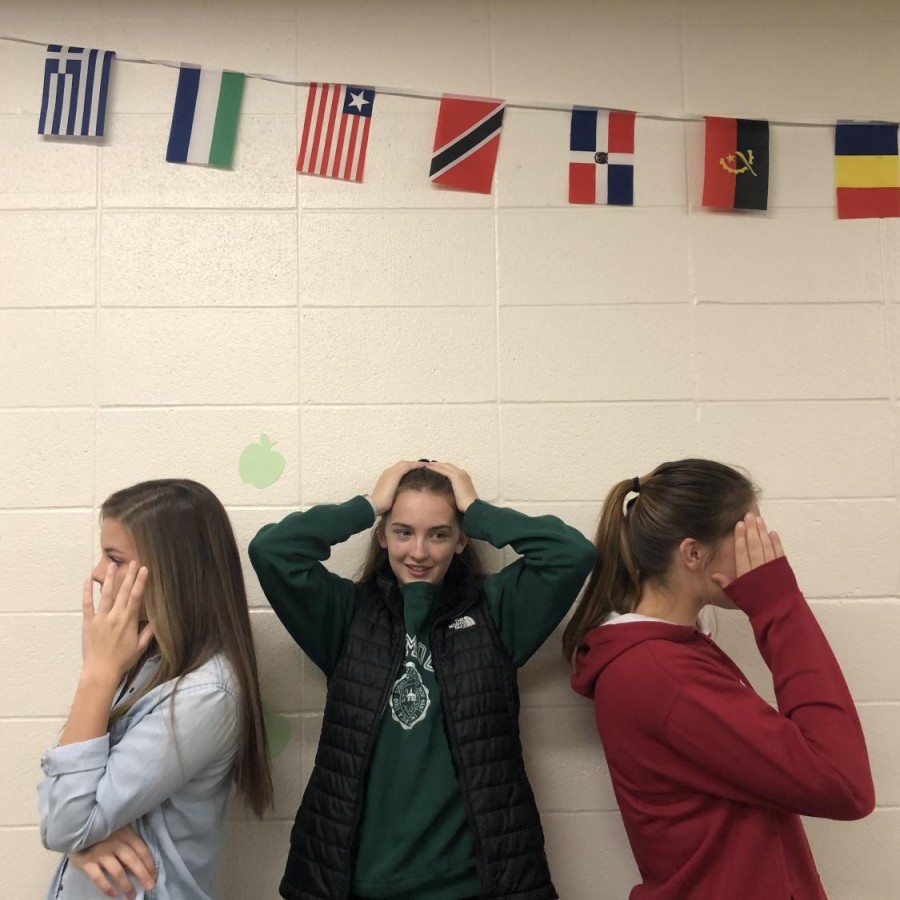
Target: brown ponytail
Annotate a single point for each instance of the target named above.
(688, 498)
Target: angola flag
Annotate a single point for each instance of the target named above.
(866, 170)
(737, 164)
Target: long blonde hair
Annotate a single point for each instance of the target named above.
(196, 600)
(688, 498)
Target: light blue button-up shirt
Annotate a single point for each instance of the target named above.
(170, 782)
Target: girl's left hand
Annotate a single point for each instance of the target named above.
(112, 640)
(754, 546)
(463, 489)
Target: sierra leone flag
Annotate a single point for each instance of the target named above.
(204, 122)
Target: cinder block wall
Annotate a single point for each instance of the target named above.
(155, 319)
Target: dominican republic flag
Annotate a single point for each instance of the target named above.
(466, 142)
(205, 119)
(866, 170)
(76, 84)
(736, 174)
(336, 131)
(601, 157)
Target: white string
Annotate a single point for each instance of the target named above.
(416, 94)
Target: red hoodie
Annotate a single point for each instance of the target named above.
(709, 778)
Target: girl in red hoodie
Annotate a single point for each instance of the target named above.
(711, 780)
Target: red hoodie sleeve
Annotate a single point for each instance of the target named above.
(809, 756)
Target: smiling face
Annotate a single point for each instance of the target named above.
(421, 534)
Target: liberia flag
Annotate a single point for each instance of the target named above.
(601, 157)
(737, 164)
(466, 142)
(866, 171)
(76, 85)
(336, 131)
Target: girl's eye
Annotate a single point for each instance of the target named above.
(401, 532)
(441, 535)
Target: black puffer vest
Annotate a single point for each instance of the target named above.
(481, 717)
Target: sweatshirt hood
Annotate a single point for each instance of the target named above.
(606, 643)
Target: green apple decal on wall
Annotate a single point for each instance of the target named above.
(259, 464)
(278, 731)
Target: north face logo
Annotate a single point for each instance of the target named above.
(464, 622)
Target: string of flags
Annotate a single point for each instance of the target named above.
(338, 120)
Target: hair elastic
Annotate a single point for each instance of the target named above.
(636, 484)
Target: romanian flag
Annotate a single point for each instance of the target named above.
(866, 170)
(737, 164)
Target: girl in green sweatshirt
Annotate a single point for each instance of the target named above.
(419, 791)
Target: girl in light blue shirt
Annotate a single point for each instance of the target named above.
(167, 712)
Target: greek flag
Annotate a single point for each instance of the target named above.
(76, 82)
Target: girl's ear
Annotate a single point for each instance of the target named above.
(690, 554)
(380, 535)
(461, 543)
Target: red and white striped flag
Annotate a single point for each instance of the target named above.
(336, 131)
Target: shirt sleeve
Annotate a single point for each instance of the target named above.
(314, 605)
(91, 789)
(529, 597)
(808, 756)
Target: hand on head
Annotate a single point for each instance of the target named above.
(463, 490)
(112, 639)
(754, 546)
(382, 495)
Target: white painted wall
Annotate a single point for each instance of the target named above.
(155, 319)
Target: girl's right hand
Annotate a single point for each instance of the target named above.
(754, 546)
(382, 495)
(112, 639)
(109, 863)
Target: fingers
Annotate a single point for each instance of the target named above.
(776, 545)
(741, 549)
(145, 869)
(137, 866)
(107, 596)
(87, 598)
(754, 544)
(117, 874)
(98, 876)
(463, 488)
(145, 637)
(127, 584)
(754, 541)
(382, 495)
(136, 592)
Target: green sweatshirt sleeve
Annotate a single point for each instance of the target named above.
(528, 598)
(313, 604)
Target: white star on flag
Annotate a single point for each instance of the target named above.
(358, 101)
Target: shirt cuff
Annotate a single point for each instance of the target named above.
(82, 756)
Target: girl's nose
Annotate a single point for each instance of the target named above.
(99, 571)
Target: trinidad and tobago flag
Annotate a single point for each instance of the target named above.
(737, 164)
(466, 143)
(866, 170)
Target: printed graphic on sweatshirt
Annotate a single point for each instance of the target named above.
(409, 698)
